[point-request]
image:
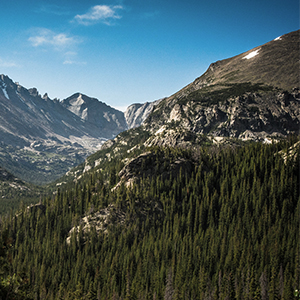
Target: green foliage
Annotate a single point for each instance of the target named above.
(12, 285)
(227, 230)
(214, 94)
(13, 191)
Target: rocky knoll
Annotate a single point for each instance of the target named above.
(154, 164)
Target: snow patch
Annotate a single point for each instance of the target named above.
(84, 114)
(4, 91)
(278, 38)
(251, 54)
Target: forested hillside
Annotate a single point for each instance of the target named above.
(13, 190)
(229, 229)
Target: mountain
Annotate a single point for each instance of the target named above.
(275, 63)
(42, 138)
(199, 202)
(97, 114)
(137, 113)
(254, 95)
(236, 100)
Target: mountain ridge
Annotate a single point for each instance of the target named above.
(240, 97)
(218, 111)
(243, 87)
(45, 135)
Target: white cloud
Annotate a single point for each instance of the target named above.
(52, 9)
(46, 37)
(100, 13)
(73, 62)
(7, 64)
(71, 59)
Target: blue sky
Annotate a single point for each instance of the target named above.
(130, 51)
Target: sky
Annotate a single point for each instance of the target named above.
(130, 51)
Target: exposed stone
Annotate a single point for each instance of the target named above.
(136, 114)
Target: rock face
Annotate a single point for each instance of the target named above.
(254, 95)
(96, 113)
(137, 113)
(250, 115)
(42, 138)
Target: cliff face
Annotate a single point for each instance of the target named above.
(137, 113)
(254, 95)
(256, 115)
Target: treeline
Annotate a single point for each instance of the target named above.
(227, 230)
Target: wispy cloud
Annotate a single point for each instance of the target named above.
(71, 59)
(47, 37)
(100, 13)
(74, 62)
(8, 64)
(53, 9)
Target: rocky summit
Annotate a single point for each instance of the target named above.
(137, 113)
(254, 95)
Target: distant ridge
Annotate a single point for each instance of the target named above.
(42, 138)
(252, 96)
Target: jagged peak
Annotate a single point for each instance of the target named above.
(5, 79)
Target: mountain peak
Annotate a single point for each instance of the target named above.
(254, 95)
(31, 128)
(275, 63)
(5, 79)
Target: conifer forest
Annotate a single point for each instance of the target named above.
(227, 228)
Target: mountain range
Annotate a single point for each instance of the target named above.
(252, 96)
(237, 100)
(42, 138)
